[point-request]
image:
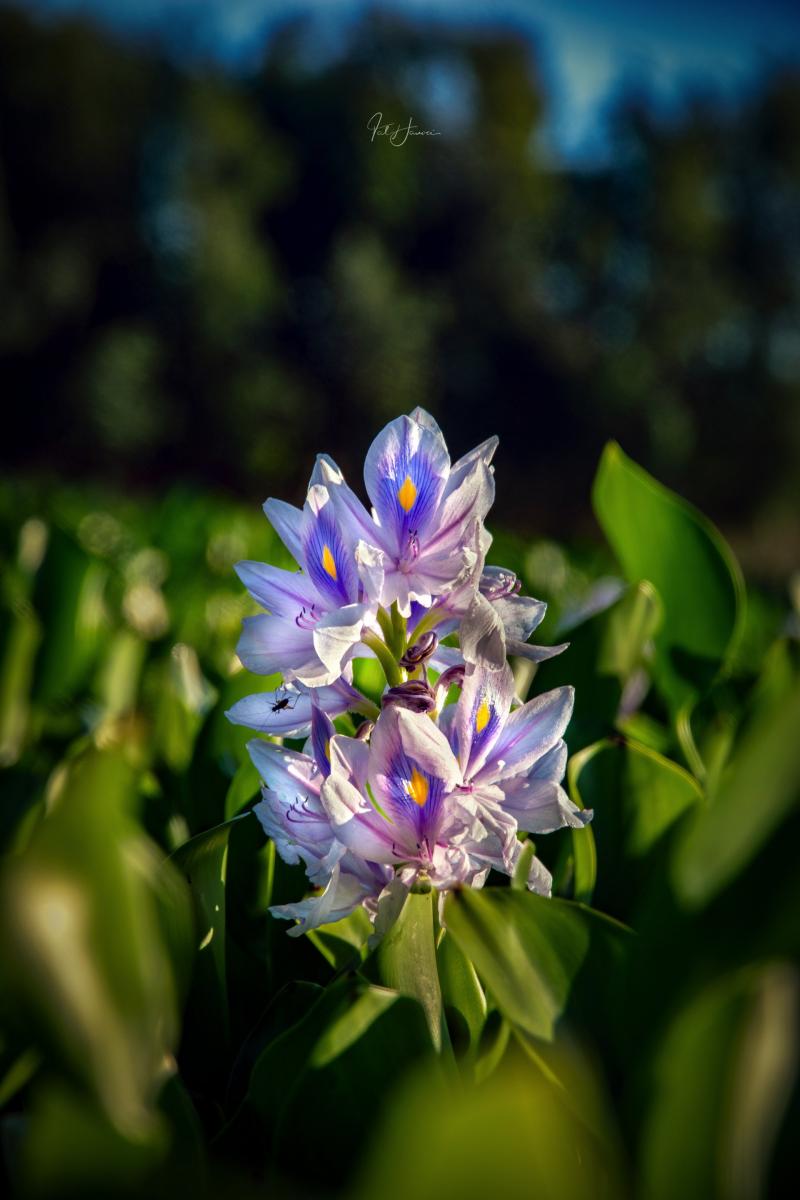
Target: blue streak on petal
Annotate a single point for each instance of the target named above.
(406, 472)
(322, 730)
(329, 564)
(421, 819)
(485, 722)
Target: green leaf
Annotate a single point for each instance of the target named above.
(69, 599)
(584, 860)
(529, 952)
(324, 1082)
(637, 796)
(120, 672)
(659, 537)
(756, 791)
(462, 997)
(632, 623)
(186, 1166)
(244, 786)
(721, 1081)
(20, 643)
(203, 860)
(406, 958)
(84, 947)
(71, 1148)
(343, 943)
(515, 1136)
(351, 1024)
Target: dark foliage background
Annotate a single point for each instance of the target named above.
(213, 276)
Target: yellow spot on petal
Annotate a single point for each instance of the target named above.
(328, 749)
(407, 494)
(328, 562)
(417, 787)
(482, 717)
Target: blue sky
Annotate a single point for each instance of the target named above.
(587, 49)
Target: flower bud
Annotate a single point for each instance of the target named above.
(420, 652)
(414, 695)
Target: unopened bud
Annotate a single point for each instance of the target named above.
(420, 652)
(414, 695)
(452, 677)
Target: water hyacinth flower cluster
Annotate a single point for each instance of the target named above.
(440, 784)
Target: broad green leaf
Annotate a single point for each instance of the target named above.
(186, 1165)
(261, 957)
(756, 791)
(325, 1081)
(516, 1136)
(72, 1149)
(493, 1045)
(80, 922)
(120, 671)
(203, 860)
(721, 1080)
(406, 958)
(244, 786)
(529, 951)
(659, 537)
(637, 796)
(632, 623)
(343, 943)
(69, 600)
(20, 643)
(286, 1008)
(352, 1024)
(606, 649)
(462, 997)
(584, 861)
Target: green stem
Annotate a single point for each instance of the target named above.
(384, 657)
(385, 622)
(683, 728)
(366, 708)
(428, 622)
(399, 630)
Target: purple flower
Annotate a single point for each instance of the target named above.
(497, 621)
(288, 711)
(514, 758)
(429, 514)
(445, 801)
(426, 791)
(316, 615)
(291, 813)
(424, 540)
(398, 802)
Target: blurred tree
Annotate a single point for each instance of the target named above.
(214, 275)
